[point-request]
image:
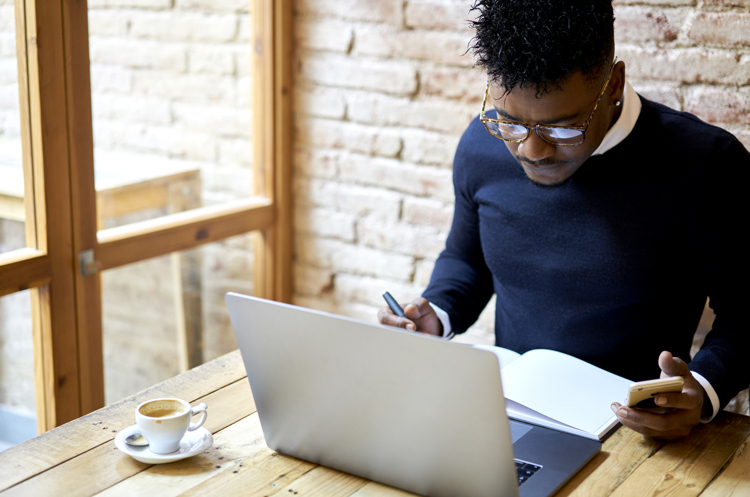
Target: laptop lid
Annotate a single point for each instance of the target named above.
(407, 410)
(397, 407)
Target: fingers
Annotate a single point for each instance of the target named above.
(668, 426)
(418, 308)
(386, 316)
(673, 366)
(685, 400)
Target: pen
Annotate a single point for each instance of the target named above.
(397, 310)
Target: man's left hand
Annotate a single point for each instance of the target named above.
(686, 406)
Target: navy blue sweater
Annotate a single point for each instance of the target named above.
(615, 265)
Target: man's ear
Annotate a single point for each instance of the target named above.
(617, 82)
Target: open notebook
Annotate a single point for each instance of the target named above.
(558, 391)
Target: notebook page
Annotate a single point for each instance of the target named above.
(564, 388)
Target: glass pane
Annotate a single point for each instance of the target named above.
(12, 212)
(17, 400)
(171, 93)
(144, 303)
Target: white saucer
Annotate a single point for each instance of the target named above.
(194, 442)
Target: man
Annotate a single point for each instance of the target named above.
(600, 219)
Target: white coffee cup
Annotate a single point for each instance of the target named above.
(163, 422)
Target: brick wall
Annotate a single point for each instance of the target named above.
(383, 90)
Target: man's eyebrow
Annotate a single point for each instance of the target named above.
(508, 117)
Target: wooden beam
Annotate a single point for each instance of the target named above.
(56, 354)
(83, 203)
(23, 269)
(283, 53)
(272, 142)
(181, 231)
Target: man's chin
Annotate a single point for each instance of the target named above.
(549, 176)
(547, 183)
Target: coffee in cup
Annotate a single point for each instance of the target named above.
(163, 422)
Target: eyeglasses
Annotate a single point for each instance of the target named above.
(560, 136)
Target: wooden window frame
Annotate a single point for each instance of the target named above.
(57, 142)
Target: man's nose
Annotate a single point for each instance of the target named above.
(534, 148)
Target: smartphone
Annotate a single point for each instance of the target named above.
(641, 394)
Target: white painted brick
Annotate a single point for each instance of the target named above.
(368, 290)
(243, 93)
(194, 88)
(226, 183)
(213, 59)
(139, 4)
(168, 141)
(222, 121)
(648, 25)
(309, 280)
(355, 137)
(668, 94)
(356, 200)
(137, 53)
(388, 11)
(319, 102)
(185, 26)
(385, 76)
(324, 34)
(8, 71)
(108, 22)
(428, 212)
(242, 60)
(343, 257)
(11, 126)
(368, 202)
(426, 147)
(362, 312)
(384, 110)
(420, 241)
(440, 15)
(717, 105)
(8, 44)
(323, 303)
(192, 146)
(435, 46)
(213, 5)
(463, 84)
(690, 65)
(415, 180)
(244, 29)
(111, 78)
(237, 150)
(423, 273)
(7, 19)
(316, 163)
(325, 223)
(131, 108)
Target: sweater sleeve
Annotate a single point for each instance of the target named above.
(722, 359)
(461, 283)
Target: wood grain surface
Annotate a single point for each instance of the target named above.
(80, 459)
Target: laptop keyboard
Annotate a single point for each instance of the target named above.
(525, 470)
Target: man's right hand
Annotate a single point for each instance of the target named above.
(420, 316)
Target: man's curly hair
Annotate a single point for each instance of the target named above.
(540, 42)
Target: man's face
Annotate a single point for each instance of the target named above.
(547, 164)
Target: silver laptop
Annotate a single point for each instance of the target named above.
(397, 407)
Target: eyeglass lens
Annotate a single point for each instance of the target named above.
(516, 132)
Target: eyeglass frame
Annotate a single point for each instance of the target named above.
(583, 127)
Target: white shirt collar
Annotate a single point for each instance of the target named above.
(631, 109)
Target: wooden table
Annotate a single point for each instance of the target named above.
(80, 458)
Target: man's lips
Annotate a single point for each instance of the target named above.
(542, 165)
